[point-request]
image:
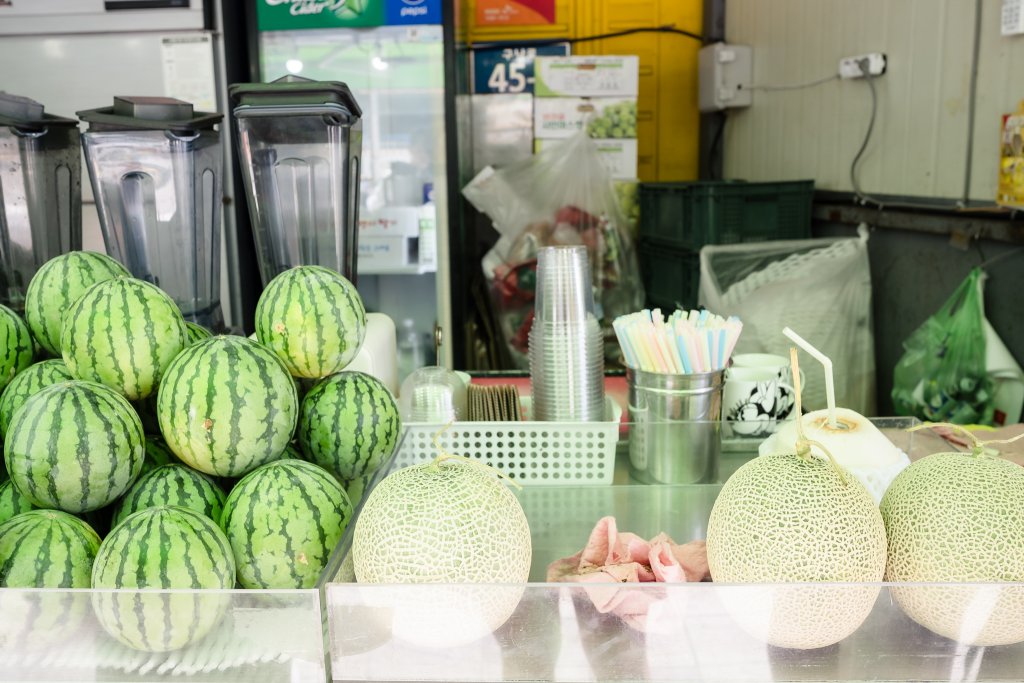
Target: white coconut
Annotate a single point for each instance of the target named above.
(783, 519)
(446, 522)
(959, 518)
(855, 443)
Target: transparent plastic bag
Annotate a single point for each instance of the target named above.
(563, 195)
(942, 375)
(821, 288)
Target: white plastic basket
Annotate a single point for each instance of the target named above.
(531, 453)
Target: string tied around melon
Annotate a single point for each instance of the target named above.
(444, 455)
(978, 447)
(803, 444)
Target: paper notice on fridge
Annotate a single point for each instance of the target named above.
(188, 69)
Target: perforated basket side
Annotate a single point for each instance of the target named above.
(534, 453)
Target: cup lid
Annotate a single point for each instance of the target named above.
(293, 93)
(149, 113)
(24, 112)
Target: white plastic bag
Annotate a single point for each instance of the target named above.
(821, 288)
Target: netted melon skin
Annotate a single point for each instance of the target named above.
(784, 519)
(952, 517)
(449, 523)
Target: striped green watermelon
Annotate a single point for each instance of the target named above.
(157, 454)
(226, 406)
(75, 446)
(313, 319)
(349, 424)
(283, 521)
(59, 284)
(357, 488)
(123, 333)
(27, 383)
(196, 332)
(162, 547)
(173, 484)
(16, 350)
(47, 549)
(12, 503)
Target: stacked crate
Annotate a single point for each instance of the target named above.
(677, 219)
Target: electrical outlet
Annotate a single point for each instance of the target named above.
(850, 67)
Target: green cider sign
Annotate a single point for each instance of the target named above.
(287, 15)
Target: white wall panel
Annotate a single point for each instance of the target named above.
(919, 143)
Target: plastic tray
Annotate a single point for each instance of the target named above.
(533, 453)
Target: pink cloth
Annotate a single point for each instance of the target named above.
(611, 558)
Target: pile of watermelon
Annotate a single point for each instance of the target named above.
(142, 451)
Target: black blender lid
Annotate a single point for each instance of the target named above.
(23, 112)
(294, 91)
(149, 113)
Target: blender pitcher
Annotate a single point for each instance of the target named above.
(155, 167)
(299, 144)
(40, 192)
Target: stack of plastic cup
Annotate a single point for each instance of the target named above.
(566, 342)
(433, 395)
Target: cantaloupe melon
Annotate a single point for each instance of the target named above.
(445, 522)
(783, 519)
(954, 517)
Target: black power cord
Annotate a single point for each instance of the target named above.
(667, 28)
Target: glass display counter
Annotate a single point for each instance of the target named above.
(534, 632)
(658, 631)
(76, 635)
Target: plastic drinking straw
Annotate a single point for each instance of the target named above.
(684, 357)
(626, 344)
(830, 388)
(674, 366)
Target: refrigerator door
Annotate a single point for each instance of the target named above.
(396, 73)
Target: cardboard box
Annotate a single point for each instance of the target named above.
(601, 117)
(390, 221)
(398, 238)
(619, 156)
(590, 76)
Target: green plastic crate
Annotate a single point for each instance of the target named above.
(670, 276)
(690, 215)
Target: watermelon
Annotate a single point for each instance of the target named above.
(313, 319)
(283, 521)
(173, 484)
(27, 383)
(349, 424)
(74, 446)
(157, 454)
(163, 547)
(16, 342)
(46, 549)
(123, 333)
(226, 406)
(196, 332)
(12, 503)
(59, 284)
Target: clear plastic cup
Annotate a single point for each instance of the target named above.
(564, 290)
(433, 395)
